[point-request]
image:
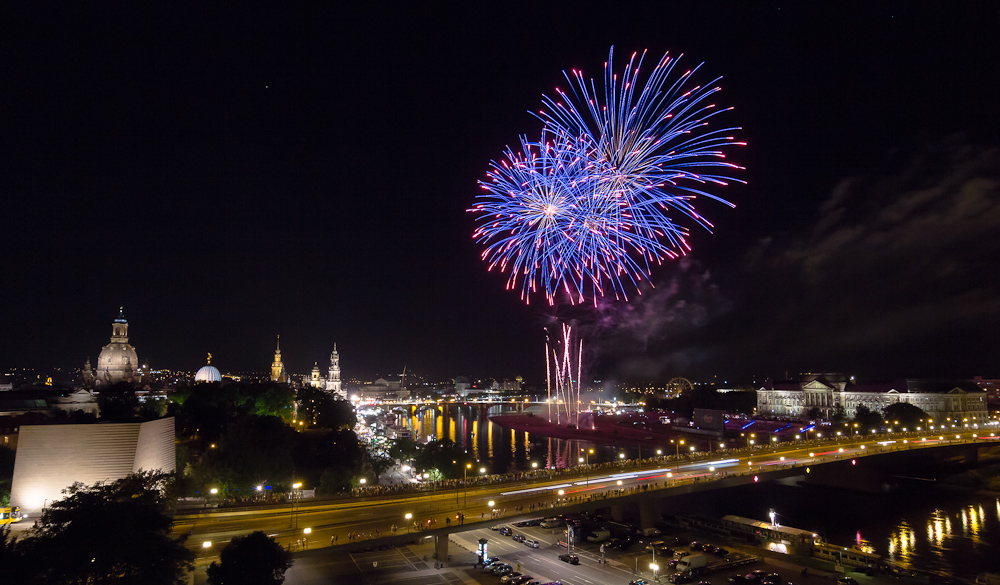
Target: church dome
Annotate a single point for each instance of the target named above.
(208, 374)
(117, 361)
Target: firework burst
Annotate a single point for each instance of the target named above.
(587, 209)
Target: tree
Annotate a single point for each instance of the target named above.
(903, 414)
(118, 402)
(336, 414)
(336, 480)
(115, 532)
(867, 419)
(318, 407)
(254, 559)
(6, 474)
(814, 413)
(839, 415)
(252, 449)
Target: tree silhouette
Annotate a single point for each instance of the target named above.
(254, 559)
(111, 532)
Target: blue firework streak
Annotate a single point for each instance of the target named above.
(587, 209)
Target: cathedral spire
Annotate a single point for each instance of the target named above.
(277, 367)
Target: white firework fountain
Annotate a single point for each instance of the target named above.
(562, 378)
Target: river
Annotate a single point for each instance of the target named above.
(928, 526)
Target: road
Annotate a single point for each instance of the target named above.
(374, 516)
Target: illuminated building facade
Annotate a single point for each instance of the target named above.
(118, 361)
(958, 402)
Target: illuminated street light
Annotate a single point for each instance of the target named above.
(206, 544)
(362, 481)
(408, 517)
(295, 492)
(465, 484)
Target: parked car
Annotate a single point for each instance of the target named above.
(681, 554)
(846, 581)
(521, 580)
(695, 545)
(504, 569)
(707, 547)
(718, 550)
(568, 558)
(518, 538)
(680, 541)
(506, 531)
(772, 579)
(531, 542)
(510, 577)
(737, 579)
(679, 578)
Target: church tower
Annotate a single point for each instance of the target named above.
(278, 368)
(333, 379)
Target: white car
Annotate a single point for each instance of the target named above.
(531, 542)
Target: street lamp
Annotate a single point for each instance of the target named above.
(654, 567)
(465, 484)
(206, 544)
(305, 540)
(408, 517)
(295, 518)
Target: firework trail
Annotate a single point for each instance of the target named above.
(587, 209)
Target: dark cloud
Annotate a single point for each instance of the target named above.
(896, 274)
(646, 338)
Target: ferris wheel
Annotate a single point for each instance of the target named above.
(678, 386)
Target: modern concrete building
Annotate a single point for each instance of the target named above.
(50, 458)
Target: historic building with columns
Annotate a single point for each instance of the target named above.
(960, 402)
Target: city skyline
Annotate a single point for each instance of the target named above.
(308, 174)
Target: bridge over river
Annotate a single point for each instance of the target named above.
(394, 518)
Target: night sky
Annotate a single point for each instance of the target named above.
(229, 175)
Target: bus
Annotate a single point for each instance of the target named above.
(10, 515)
